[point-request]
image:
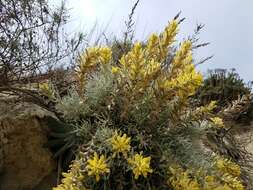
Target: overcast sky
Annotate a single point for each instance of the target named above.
(228, 25)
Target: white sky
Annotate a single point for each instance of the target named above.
(229, 25)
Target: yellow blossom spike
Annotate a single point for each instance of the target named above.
(152, 49)
(105, 55)
(158, 46)
(72, 180)
(167, 38)
(152, 68)
(185, 84)
(133, 62)
(169, 34)
(153, 42)
(183, 55)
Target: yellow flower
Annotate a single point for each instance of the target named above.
(115, 70)
(183, 79)
(217, 121)
(140, 165)
(168, 36)
(97, 166)
(88, 59)
(186, 180)
(230, 171)
(210, 182)
(121, 144)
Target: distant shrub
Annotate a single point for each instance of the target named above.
(222, 86)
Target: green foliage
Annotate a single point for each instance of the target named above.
(72, 106)
(99, 86)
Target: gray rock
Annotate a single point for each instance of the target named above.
(24, 160)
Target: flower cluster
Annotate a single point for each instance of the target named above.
(185, 179)
(233, 182)
(72, 180)
(182, 180)
(120, 144)
(97, 166)
(227, 166)
(183, 79)
(140, 165)
(217, 122)
(142, 63)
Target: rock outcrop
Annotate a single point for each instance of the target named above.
(24, 160)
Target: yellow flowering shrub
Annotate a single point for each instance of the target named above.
(136, 120)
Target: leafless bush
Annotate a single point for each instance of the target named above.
(32, 40)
